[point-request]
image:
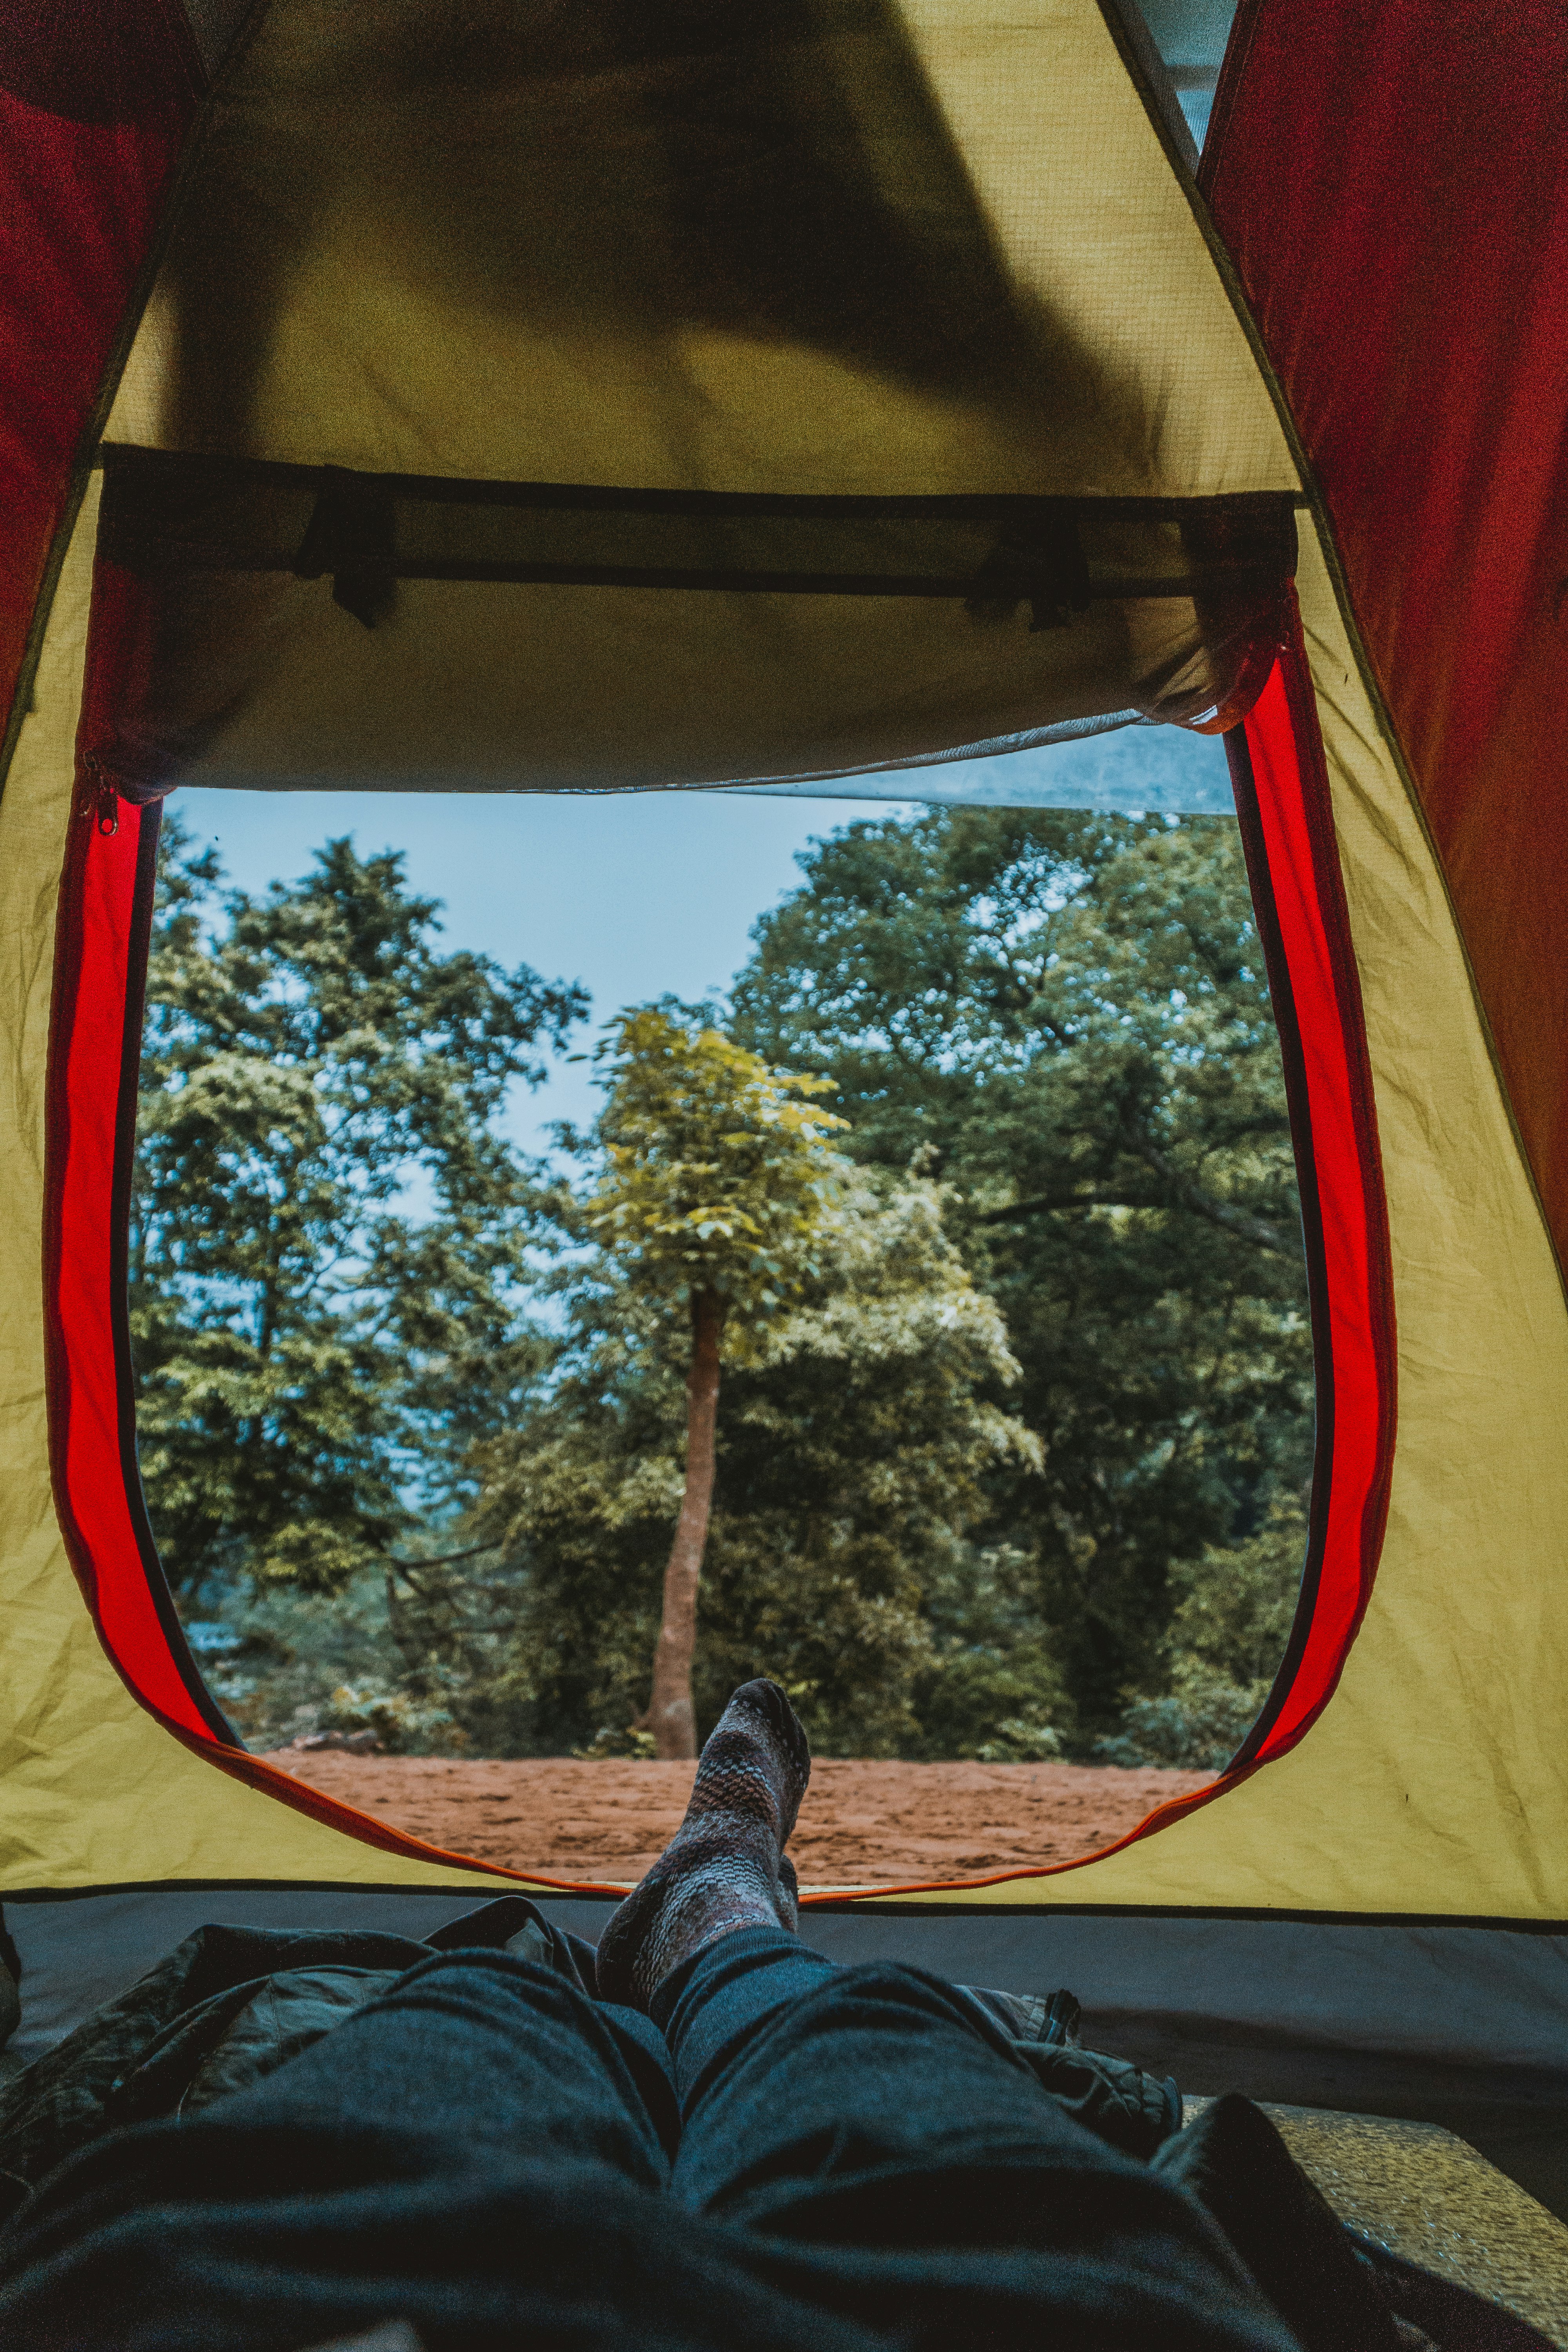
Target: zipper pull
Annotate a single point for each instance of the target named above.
(101, 799)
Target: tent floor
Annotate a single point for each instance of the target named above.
(1431, 2197)
(1447, 2139)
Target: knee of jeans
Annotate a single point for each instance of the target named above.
(493, 1982)
(891, 1995)
(915, 1991)
(878, 1997)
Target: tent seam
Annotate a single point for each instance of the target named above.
(85, 454)
(1232, 74)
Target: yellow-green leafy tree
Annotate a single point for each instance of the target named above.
(717, 1188)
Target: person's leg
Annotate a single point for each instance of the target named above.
(874, 2130)
(709, 2008)
(1234, 2161)
(870, 2131)
(482, 2127)
(725, 1867)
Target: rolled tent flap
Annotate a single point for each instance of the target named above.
(771, 449)
(288, 623)
(907, 313)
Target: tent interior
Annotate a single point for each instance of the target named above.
(882, 398)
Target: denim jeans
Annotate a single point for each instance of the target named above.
(787, 2154)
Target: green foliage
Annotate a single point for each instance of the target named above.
(316, 1354)
(993, 1685)
(1017, 1397)
(1068, 1012)
(1234, 1606)
(274, 1655)
(716, 1177)
(1195, 1728)
(716, 1185)
(1227, 1637)
(286, 1663)
(860, 1430)
(399, 1723)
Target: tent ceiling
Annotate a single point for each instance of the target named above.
(791, 285)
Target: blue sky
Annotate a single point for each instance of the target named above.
(638, 893)
(633, 894)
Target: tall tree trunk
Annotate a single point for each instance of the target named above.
(672, 1718)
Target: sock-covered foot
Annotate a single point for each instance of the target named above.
(725, 1866)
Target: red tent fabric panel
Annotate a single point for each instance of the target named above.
(96, 97)
(95, 1043)
(1288, 831)
(106, 895)
(104, 910)
(103, 932)
(1391, 177)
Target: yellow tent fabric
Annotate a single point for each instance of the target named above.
(345, 287)
(333, 293)
(97, 1792)
(1436, 1782)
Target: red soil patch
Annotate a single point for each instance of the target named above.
(862, 1824)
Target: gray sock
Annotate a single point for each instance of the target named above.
(725, 1866)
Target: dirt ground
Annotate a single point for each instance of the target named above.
(862, 1823)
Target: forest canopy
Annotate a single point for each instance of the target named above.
(1011, 1465)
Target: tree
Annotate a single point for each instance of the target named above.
(859, 1432)
(1227, 1637)
(716, 1186)
(1070, 1013)
(330, 1241)
(1016, 1370)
